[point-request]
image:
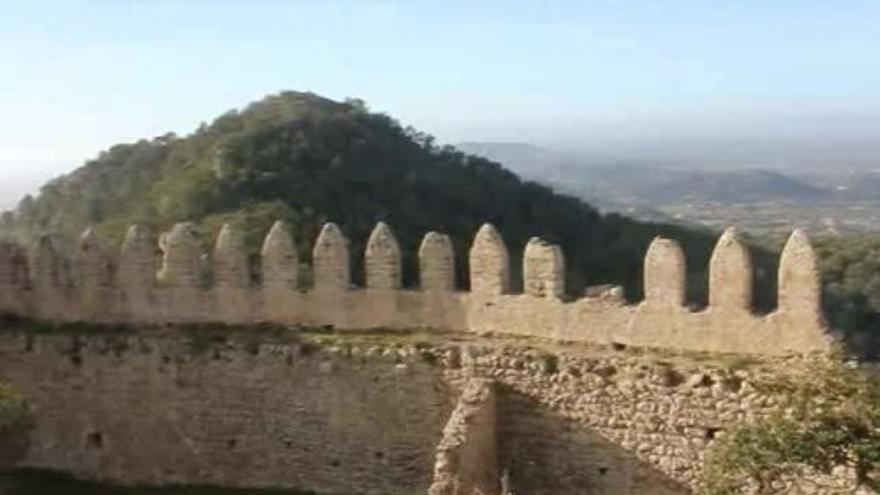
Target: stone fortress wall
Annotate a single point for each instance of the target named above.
(102, 285)
(350, 416)
(365, 418)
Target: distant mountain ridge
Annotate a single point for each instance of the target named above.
(665, 185)
(644, 184)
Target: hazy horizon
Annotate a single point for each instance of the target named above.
(795, 84)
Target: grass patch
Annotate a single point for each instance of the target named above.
(736, 363)
(200, 338)
(17, 324)
(419, 338)
(13, 410)
(36, 482)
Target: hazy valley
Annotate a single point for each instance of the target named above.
(826, 199)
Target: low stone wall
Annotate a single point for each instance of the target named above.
(131, 286)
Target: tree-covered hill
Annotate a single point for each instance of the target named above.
(307, 159)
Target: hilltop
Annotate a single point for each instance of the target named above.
(308, 159)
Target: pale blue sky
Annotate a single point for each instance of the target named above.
(76, 77)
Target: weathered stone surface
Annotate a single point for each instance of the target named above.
(332, 267)
(798, 318)
(382, 259)
(280, 261)
(48, 270)
(137, 275)
(543, 269)
(151, 410)
(436, 263)
(137, 260)
(14, 277)
(233, 299)
(799, 283)
(489, 263)
(230, 260)
(94, 264)
(665, 274)
(730, 274)
(13, 266)
(182, 257)
(51, 283)
(95, 276)
(467, 457)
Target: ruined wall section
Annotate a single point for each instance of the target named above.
(621, 423)
(467, 457)
(104, 290)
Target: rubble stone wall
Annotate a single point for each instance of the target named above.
(467, 457)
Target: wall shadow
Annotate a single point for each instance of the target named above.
(546, 453)
(14, 444)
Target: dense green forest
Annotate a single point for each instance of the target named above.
(306, 159)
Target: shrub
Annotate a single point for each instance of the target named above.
(831, 418)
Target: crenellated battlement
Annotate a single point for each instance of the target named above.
(165, 280)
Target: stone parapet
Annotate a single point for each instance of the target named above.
(123, 287)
